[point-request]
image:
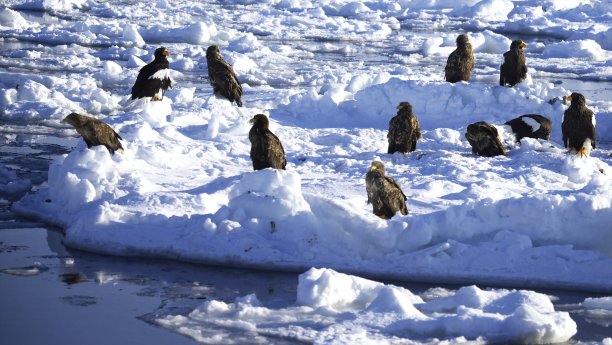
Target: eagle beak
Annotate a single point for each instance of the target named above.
(166, 52)
(523, 45)
(568, 98)
(373, 167)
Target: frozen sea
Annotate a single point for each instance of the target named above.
(506, 249)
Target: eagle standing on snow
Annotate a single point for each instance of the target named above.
(404, 130)
(484, 139)
(530, 126)
(514, 68)
(460, 63)
(384, 193)
(95, 132)
(266, 149)
(154, 79)
(222, 77)
(578, 126)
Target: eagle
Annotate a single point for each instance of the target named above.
(95, 132)
(384, 193)
(460, 63)
(484, 139)
(530, 126)
(514, 69)
(266, 149)
(222, 77)
(578, 126)
(404, 130)
(154, 79)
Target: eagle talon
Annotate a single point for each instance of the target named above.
(582, 152)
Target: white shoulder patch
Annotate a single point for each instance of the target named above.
(162, 74)
(535, 125)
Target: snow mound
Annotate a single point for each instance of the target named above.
(337, 308)
(584, 49)
(11, 19)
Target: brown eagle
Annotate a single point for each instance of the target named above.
(154, 79)
(266, 149)
(404, 130)
(222, 77)
(578, 126)
(384, 193)
(460, 63)
(484, 139)
(530, 126)
(95, 132)
(514, 68)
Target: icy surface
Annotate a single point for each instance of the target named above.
(330, 75)
(334, 308)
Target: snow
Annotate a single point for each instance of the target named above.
(335, 308)
(329, 75)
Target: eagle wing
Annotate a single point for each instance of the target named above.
(151, 80)
(452, 66)
(224, 81)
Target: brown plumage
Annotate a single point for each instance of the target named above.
(404, 130)
(530, 126)
(384, 193)
(514, 68)
(484, 139)
(578, 127)
(222, 77)
(95, 132)
(460, 63)
(266, 149)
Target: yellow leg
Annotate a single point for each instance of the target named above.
(582, 152)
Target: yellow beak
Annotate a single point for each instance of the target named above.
(166, 52)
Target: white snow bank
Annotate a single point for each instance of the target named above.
(196, 33)
(185, 182)
(491, 10)
(49, 97)
(11, 19)
(586, 49)
(337, 308)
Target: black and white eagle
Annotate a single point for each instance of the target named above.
(484, 139)
(530, 126)
(154, 78)
(514, 68)
(578, 126)
(460, 63)
(222, 77)
(404, 130)
(384, 193)
(266, 149)
(95, 132)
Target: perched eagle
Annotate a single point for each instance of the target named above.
(266, 149)
(404, 130)
(484, 139)
(578, 126)
(460, 63)
(95, 132)
(514, 69)
(154, 79)
(530, 126)
(222, 76)
(384, 193)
